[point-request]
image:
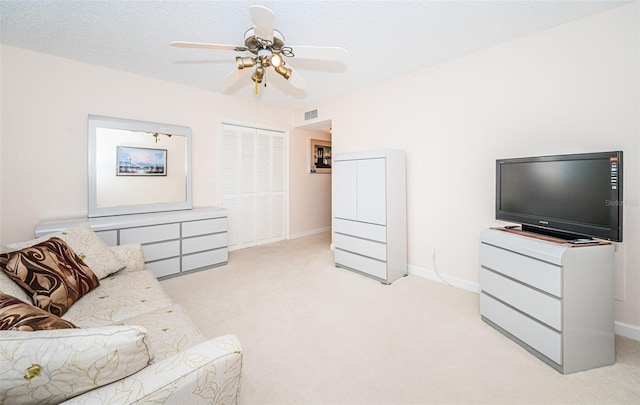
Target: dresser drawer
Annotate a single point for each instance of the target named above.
(200, 243)
(204, 259)
(376, 250)
(363, 264)
(164, 268)
(536, 335)
(543, 307)
(360, 229)
(148, 234)
(527, 270)
(203, 227)
(110, 237)
(162, 250)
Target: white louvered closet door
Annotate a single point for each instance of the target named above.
(254, 185)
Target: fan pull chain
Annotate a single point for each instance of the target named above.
(256, 89)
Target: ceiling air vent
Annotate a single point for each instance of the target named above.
(309, 115)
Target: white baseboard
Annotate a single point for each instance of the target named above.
(622, 329)
(309, 233)
(444, 279)
(627, 330)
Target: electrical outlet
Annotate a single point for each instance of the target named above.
(433, 252)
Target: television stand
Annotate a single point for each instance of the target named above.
(554, 300)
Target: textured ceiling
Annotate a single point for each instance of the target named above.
(384, 38)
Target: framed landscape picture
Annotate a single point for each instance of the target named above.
(134, 161)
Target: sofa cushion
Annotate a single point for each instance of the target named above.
(87, 244)
(170, 331)
(51, 273)
(207, 373)
(119, 296)
(18, 315)
(54, 365)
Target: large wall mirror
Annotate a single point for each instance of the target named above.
(138, 167)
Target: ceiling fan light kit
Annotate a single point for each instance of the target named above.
(267, 45)
(276, 60)
(283, 71)
(258, 74)
(244, 61)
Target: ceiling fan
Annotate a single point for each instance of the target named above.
(264, 47)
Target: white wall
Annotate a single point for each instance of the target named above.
(310, 202)
(571, 89)
(45, 104)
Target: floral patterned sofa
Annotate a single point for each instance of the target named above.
(106, 334)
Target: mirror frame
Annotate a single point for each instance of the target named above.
(95, 122)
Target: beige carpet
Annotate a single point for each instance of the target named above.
(316, 334)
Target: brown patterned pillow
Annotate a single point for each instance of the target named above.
(17, 315)
(51, 274)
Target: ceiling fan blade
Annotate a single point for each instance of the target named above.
(320, 52)
(296, 79)
(263, 22)
(234, 76)
(204, 45)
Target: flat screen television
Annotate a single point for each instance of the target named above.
(577, 196)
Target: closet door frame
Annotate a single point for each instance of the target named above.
(257, 127)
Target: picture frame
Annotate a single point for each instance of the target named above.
(320, 156)
(135, 161)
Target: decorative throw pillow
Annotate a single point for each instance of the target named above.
(51, 273)
(87, 244)
(131, 255)
(9, 287)
(18, 315)
(51, 366)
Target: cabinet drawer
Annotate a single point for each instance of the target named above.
(110, 237)
(204, 259)
(161, 250)
(200, 243)
(543, 307)
(203, 227)
(376, 250)
(164, 268)
(360, 229)
(148, 234)
(536, 273)
(364, 264)
(536, 335)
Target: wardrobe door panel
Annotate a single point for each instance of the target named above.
(372, 191)
(344, 177)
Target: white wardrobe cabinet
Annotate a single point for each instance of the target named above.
(369, 213)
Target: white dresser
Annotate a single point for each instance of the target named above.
(554, 299)
(174, 242)
(370, 214)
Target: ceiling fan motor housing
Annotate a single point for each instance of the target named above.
(255, 44)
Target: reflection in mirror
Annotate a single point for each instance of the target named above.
(138, 167)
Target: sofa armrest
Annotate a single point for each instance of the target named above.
(208, 373)
(131, 255)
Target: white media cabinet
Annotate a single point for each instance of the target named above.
(370, 214)
(174, 242)
(554, 299)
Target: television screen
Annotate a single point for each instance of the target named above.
(570, 196)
